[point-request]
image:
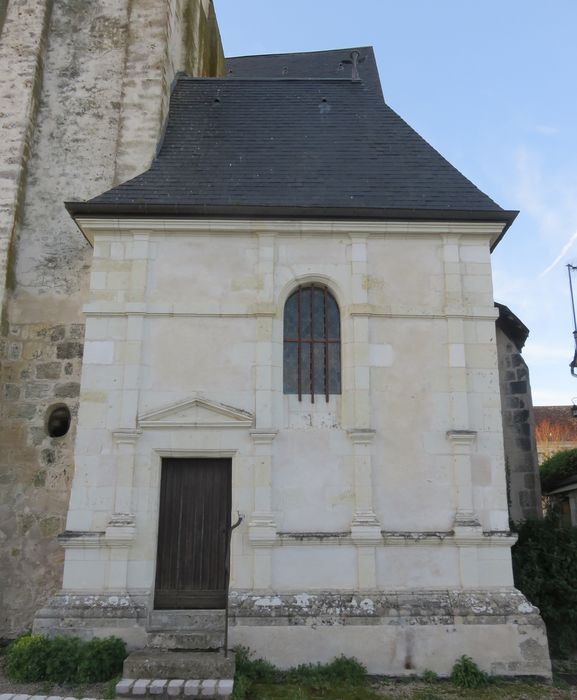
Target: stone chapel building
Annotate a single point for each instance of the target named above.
(289, 327)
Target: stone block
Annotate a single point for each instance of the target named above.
(68, 390)
(14, 351)
(58, 333)
(152, 663)
(158, 687)
(140, 686)
(192, 688)
(193, 641)
(26, 411)
(68, 350)
(518, 387)
(36, 391)
(186, 620)
(175, 687)
(48, 370)
(225, 687)
(208, 688)
(11, 392)
(76, 331)
(124, 686)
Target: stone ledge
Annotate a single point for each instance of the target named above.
(421, 607)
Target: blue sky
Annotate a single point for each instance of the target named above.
(492, 85)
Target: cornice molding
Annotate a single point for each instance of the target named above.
(106, 226)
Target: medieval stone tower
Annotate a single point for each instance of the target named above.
(84, 88)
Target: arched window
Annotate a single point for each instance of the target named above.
(312, 343)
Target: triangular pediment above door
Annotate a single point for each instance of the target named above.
(197, 412)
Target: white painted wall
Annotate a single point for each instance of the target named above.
(194, 309)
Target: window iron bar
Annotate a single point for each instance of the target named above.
(326, 345)
(312, 346)
(299, 344)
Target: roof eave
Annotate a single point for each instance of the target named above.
(105, 209)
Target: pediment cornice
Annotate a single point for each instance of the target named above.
(196, 412)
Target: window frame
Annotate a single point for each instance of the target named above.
(331, 336)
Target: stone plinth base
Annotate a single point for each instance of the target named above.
(393, 633)
(89, 616)
(397, 633)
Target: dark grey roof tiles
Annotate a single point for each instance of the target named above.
(336, 64)
(322, 145)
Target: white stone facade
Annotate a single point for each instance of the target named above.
(376, 523)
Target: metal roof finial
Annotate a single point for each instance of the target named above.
(355, 59)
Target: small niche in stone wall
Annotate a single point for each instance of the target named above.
(58, 420)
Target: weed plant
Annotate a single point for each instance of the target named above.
(466, 674)
(64, 660)
(318, 678)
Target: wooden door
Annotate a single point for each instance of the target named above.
(194, 522)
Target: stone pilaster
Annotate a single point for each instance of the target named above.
(265, 370)
(459, 434)
(262, 528)
(365, 526)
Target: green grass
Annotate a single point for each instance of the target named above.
(410, 690)
(297, 691)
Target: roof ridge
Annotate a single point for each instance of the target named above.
(232, 79)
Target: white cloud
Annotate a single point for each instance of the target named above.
(537, 353)
(564, 250)
(546, 130)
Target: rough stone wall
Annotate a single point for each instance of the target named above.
(84, 86)
(3, 8)
(524, 487)
(24, 31)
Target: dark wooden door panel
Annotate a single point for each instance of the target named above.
(194, 521)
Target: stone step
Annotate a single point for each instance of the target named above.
(169, 665)
(186, 620)
(162, 689)
(207, 641)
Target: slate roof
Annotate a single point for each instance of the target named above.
(512, 326)
(293, 135)
(318, 64)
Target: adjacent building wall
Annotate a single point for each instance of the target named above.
(523, 483)
(84, 87)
